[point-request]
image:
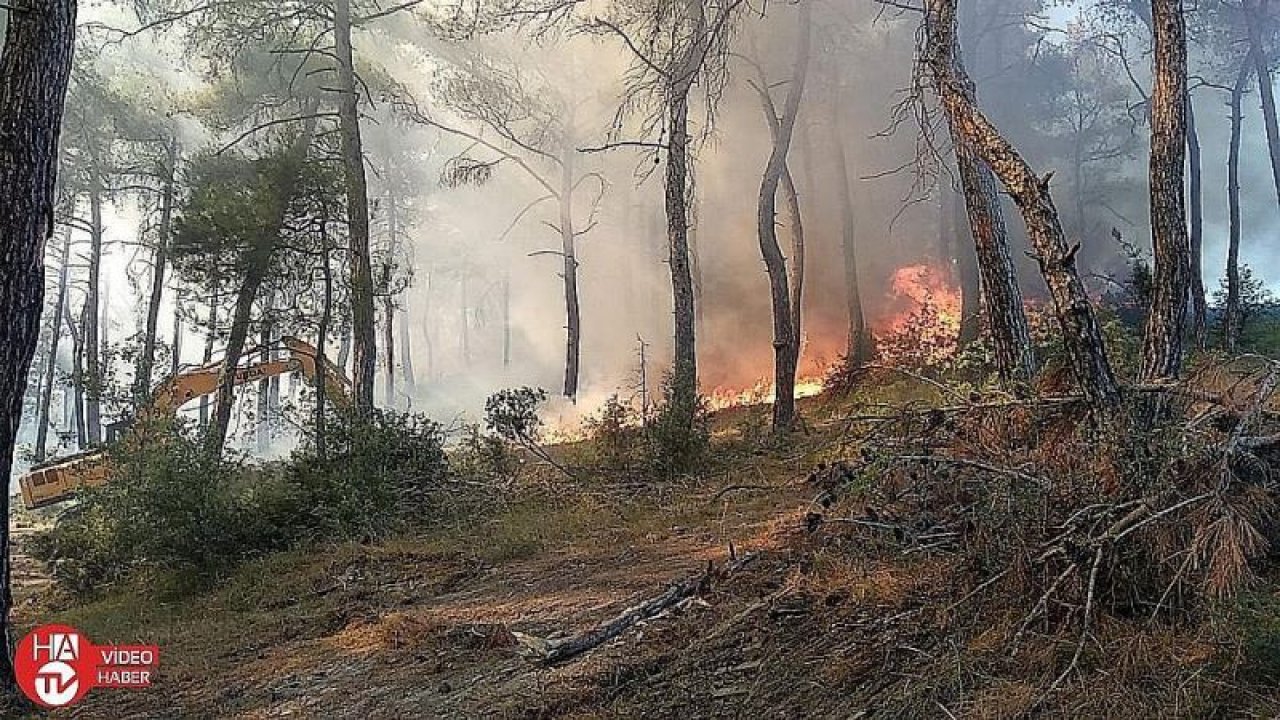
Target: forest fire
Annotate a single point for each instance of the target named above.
(761, 392)
(922, 317)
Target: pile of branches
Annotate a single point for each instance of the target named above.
(1153, 514)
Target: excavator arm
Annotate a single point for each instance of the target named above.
(58, 480)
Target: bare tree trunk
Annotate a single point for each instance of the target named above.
(785, 341)
(362, 314)
(1255, 15)
(1199, 304)
(209, 340)
(573, 311)
(322, 339)
(51, 361)
(142, 381)
(1162, 344)
(34, 67)
(406, 357)
(344, 345)
(1006, 315)
(684, 377)
(389, 343)
(77, 376)
(175, 354)
(92, 346)
(859, 347)
(1232, 315)
(966, 259)
(1085, 346)
(695, 255)
(261, 433)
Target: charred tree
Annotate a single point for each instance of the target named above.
(684, 375)
(1162, 343)
(1195, 198)
(34, 68)
(1082, 336)
(966, 263)
(786, 342)
(357, 190)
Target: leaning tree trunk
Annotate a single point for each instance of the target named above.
(1006, 315)
(573, 310)
(1162, 342)
(51, 362)
(1255, 14)
(357, 191)
(92, 341)
(142, 382)
(1082, 336)
(785, 341)
(258, 264)
(859, 342)
(34, 66)
(1232, 316)
(1199, 304)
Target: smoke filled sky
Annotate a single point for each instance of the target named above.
(480, 262)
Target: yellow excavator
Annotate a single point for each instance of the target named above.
(58, 480)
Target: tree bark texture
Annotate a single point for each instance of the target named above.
(572, 305)
(1082, 336)
(1171, 278)
(1232, 319)
(34, 67)
(51, 361)
(1195, 198)
(142, 383)
(362, 314)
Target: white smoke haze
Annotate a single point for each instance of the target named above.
(460, 260)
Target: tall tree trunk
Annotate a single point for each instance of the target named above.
(695, 253)
(142, 381)
(1256, 20)
(1006, 316)
(210, 340)
(389, 343)
(34, 66)
(344, 345)
(684, 376)
(175, 353)
(966, 259)
(357, 190)
(77, 376)
(785, 342)
(1232, 319)
(1162, 344)
(262, 433)
(797, 264)
(1199, 304)
(258, 264)
(406, 358)
(322, 339)
(859, 348)
(573, 311)
(1081, 333)
(92, 345)
(51, 361)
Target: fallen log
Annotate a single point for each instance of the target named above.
(553, 652)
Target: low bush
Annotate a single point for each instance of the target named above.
(172, 507)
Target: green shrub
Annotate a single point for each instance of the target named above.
(484, 458)
(677, 445)
(380, 470)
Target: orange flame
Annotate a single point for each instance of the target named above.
(923, 318)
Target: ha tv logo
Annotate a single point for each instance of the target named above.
(57, 665)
